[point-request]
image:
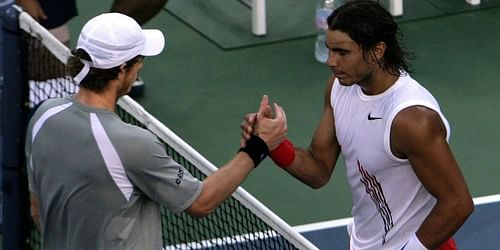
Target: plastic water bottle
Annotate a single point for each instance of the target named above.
(323, 9)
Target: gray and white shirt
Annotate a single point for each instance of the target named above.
(100, 182)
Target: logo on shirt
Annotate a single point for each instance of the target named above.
(374, 189)
(180, 174)
(371, 118)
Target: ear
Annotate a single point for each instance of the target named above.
(379, 51)
(123, 67)
(123, 71)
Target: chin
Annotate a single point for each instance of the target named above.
(346, 83)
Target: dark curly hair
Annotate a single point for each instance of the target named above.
(368, 23)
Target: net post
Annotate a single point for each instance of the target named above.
(12, 125)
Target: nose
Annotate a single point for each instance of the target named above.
(332, 59)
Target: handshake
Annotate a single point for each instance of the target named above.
(264, 133)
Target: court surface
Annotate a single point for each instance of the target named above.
(201, 91)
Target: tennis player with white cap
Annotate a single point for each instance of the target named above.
(97, 182)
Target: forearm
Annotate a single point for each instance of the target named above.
(314, 166)
(141, 11)
(221, 184)
(309, 169)
(443, 221)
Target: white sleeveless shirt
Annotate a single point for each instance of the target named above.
(389, 201)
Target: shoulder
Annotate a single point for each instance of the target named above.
(410, 88)
(412, 106)
(136, 139)
(416, 126)
(417, 118)
(49, 103)
(135, 135)
(56, 105)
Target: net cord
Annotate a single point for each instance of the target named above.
(31, 26)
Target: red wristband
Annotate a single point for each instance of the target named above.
(448, 245)
(284, 154)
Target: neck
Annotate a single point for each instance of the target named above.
(105, 100)
(377, 82)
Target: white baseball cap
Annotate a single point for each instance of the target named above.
(112, 39)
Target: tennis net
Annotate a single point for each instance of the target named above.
(241, 222)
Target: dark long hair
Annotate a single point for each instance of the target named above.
(368, 23)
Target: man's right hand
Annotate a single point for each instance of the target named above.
(270, 129)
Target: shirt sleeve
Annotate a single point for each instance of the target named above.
(160, 177)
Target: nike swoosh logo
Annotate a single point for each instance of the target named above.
(371, 118)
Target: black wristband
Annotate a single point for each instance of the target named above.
(256, 148)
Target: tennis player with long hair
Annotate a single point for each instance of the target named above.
(407, 189)
(97, 182)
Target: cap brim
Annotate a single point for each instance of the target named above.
(154, 43)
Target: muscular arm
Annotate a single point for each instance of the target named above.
(419, 135)
(314, 166)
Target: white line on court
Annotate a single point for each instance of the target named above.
(487, 199)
